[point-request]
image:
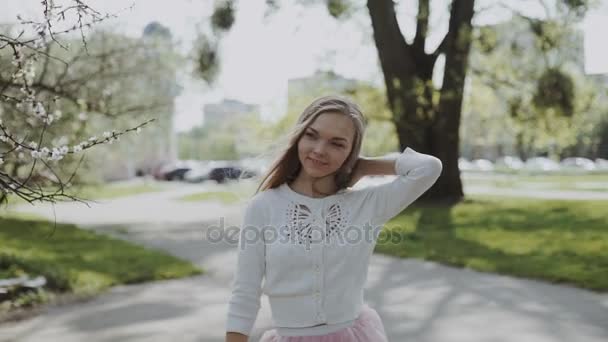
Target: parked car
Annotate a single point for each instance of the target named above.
(509, 162)
(578, 163)
(173, 170)
(223, 173)
(176, 174)
(601, 164)
(483, 165)
(541, 164)
(200, 172)
(465, 165)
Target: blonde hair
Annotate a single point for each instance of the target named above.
(287, 165)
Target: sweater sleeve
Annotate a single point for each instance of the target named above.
(244, 302)
(416, 173)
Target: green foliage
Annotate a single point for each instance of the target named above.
(555, 89)
(206, 58)
(521, 104)
(337, 8)
(547, 32)
(487, 39)
(223, 15)
(244, 136)
(579, 7)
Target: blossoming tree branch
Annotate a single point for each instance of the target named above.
(52, 87)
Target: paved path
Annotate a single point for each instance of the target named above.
(418, 301)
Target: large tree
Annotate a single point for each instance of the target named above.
(427, 118)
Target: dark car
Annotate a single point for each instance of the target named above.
(176, 174)
(221, 174)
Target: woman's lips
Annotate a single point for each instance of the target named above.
(317, 163)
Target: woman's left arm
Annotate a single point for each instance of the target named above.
(416, 172)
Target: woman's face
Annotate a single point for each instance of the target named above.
(326, 144)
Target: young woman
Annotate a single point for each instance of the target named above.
(309, 236)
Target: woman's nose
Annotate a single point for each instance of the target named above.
(319, 148)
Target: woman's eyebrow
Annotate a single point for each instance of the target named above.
(334, 138)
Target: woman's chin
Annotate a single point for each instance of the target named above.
(315, 173)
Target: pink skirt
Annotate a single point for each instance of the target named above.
(367, 327)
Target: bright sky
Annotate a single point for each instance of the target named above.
(259, 56)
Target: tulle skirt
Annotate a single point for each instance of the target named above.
(367, 327)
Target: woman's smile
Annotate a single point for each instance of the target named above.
(317, 163)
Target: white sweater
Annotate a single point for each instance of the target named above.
(313, 253)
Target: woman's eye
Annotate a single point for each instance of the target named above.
(308, 134)
(338, 145)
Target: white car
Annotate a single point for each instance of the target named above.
(509, 162)
(541, 164)
(465, 165)
(578, 163)
(601, 164)
(483, 165)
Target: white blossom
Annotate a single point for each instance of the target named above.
(39, 109)
(49, 119)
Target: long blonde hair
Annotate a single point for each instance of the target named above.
(287, 165)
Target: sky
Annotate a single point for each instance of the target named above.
(259, 55)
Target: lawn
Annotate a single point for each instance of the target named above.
(583, 182)
(225, 197)
(109, 191)
(77, 261)
(98, 192)
(229, 193)
(556, 241)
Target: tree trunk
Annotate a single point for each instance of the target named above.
(408, 70)
(447, 126)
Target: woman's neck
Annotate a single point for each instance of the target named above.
(314, 187)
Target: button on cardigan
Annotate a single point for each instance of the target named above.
(310, 256)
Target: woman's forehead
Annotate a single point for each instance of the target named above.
(335, 125)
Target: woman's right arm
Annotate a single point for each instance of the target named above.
(244, 302)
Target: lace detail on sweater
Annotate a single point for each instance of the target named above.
(302, 223)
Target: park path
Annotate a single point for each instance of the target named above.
(417, 300)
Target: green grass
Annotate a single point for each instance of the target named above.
(556, 241)
(78, 261)
(225, 197)
(110, 191)
(230, 193)
(585, 182)
(99, 192)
